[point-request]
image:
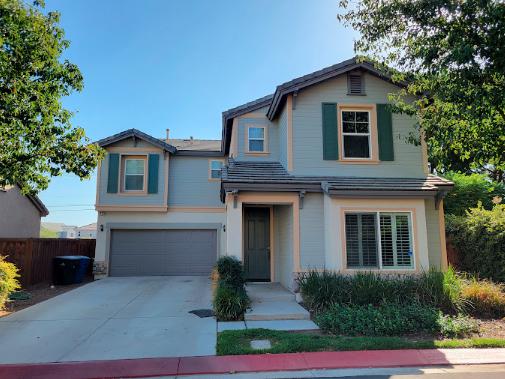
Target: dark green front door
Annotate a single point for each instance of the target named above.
(257, 243)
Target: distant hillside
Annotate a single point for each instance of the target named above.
(46, 233)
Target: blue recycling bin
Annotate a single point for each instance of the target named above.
(70, 269)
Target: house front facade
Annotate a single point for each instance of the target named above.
(318, 175)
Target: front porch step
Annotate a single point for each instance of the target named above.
(268, 292)
(276, 310)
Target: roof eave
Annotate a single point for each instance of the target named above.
(136, 134)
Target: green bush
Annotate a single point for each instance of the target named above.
(479, 238)
(469, 190)
(8, 280)
(230, 271)
(367, 320)
(436, 289)
(230, 297)
(457, 326)
(230, 303)
(486, 299)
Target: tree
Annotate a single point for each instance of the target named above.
(450, 55)
(37, 138)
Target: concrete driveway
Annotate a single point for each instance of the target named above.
(113, 318)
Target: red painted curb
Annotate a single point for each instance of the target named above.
(151, 367)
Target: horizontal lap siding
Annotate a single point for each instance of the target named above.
(283, 138)
(189, 185)
(312, 232)
(308, 140)
(283, 253)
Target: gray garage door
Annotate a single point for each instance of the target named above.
(162, 252)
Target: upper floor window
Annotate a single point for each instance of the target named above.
(256, 139)
(134, 173)
(215, 167)
(356, 134)
(379, 240)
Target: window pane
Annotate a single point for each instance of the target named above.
(352, 240)
(134, 167)
(361, 127)
(256, 133)
(256, 145)
(403, 245)
(348, 116)
(348, 127)
(368, 240)
(216, 165)
(134, 182)
(361, 116)
(356, 147)
(215, 174)
(387, 241)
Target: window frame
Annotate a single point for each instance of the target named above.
(124, 159)
(380, 267)
(264, 139)
(373, 142)
(211, 179)
(354, 134)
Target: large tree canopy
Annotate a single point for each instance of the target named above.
(452, 55)
(37, 140)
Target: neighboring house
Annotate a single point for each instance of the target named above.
(68, 231)
(86, 231)
(20, 214)
(317, 175)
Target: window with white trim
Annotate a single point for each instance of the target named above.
(356, 134)
(379, 240)
(134, 174)
(256, 139)
(215, 169)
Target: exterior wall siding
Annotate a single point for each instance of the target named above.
(283, 138)
(273, 137)
(189, 185)
(19, 217)
(307, 132)
(121, 199)
(312, 232)
(433, 228)
(283, 219)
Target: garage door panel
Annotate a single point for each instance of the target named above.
(162, 252)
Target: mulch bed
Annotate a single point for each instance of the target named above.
(40, 293)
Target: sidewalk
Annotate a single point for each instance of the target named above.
(151, 367)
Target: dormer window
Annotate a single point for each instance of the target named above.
(355, 85)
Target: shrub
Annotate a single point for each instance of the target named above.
(486, 299)
(230, 297)
(321, 290)
(479, 239)
(8, 280)
(230, 270)
(469, 190)
(384, 320)
(230, 303)
(457, 326)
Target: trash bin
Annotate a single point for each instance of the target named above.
(70, 269)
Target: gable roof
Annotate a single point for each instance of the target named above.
(38, 204)
(135, 133)
(316, 77)
(277, 99)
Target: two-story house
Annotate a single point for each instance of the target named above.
(317, 175)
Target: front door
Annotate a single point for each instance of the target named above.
(257, 243)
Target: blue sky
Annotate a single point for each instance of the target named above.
(177, 64)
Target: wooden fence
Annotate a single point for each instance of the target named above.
(34, 256)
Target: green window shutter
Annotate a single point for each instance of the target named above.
(330, 132)
(385, 131)
(113, 174)
(152, 180)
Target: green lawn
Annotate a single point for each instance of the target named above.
(237, 342)
(46, 233)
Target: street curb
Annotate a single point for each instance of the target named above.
(152, 367)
